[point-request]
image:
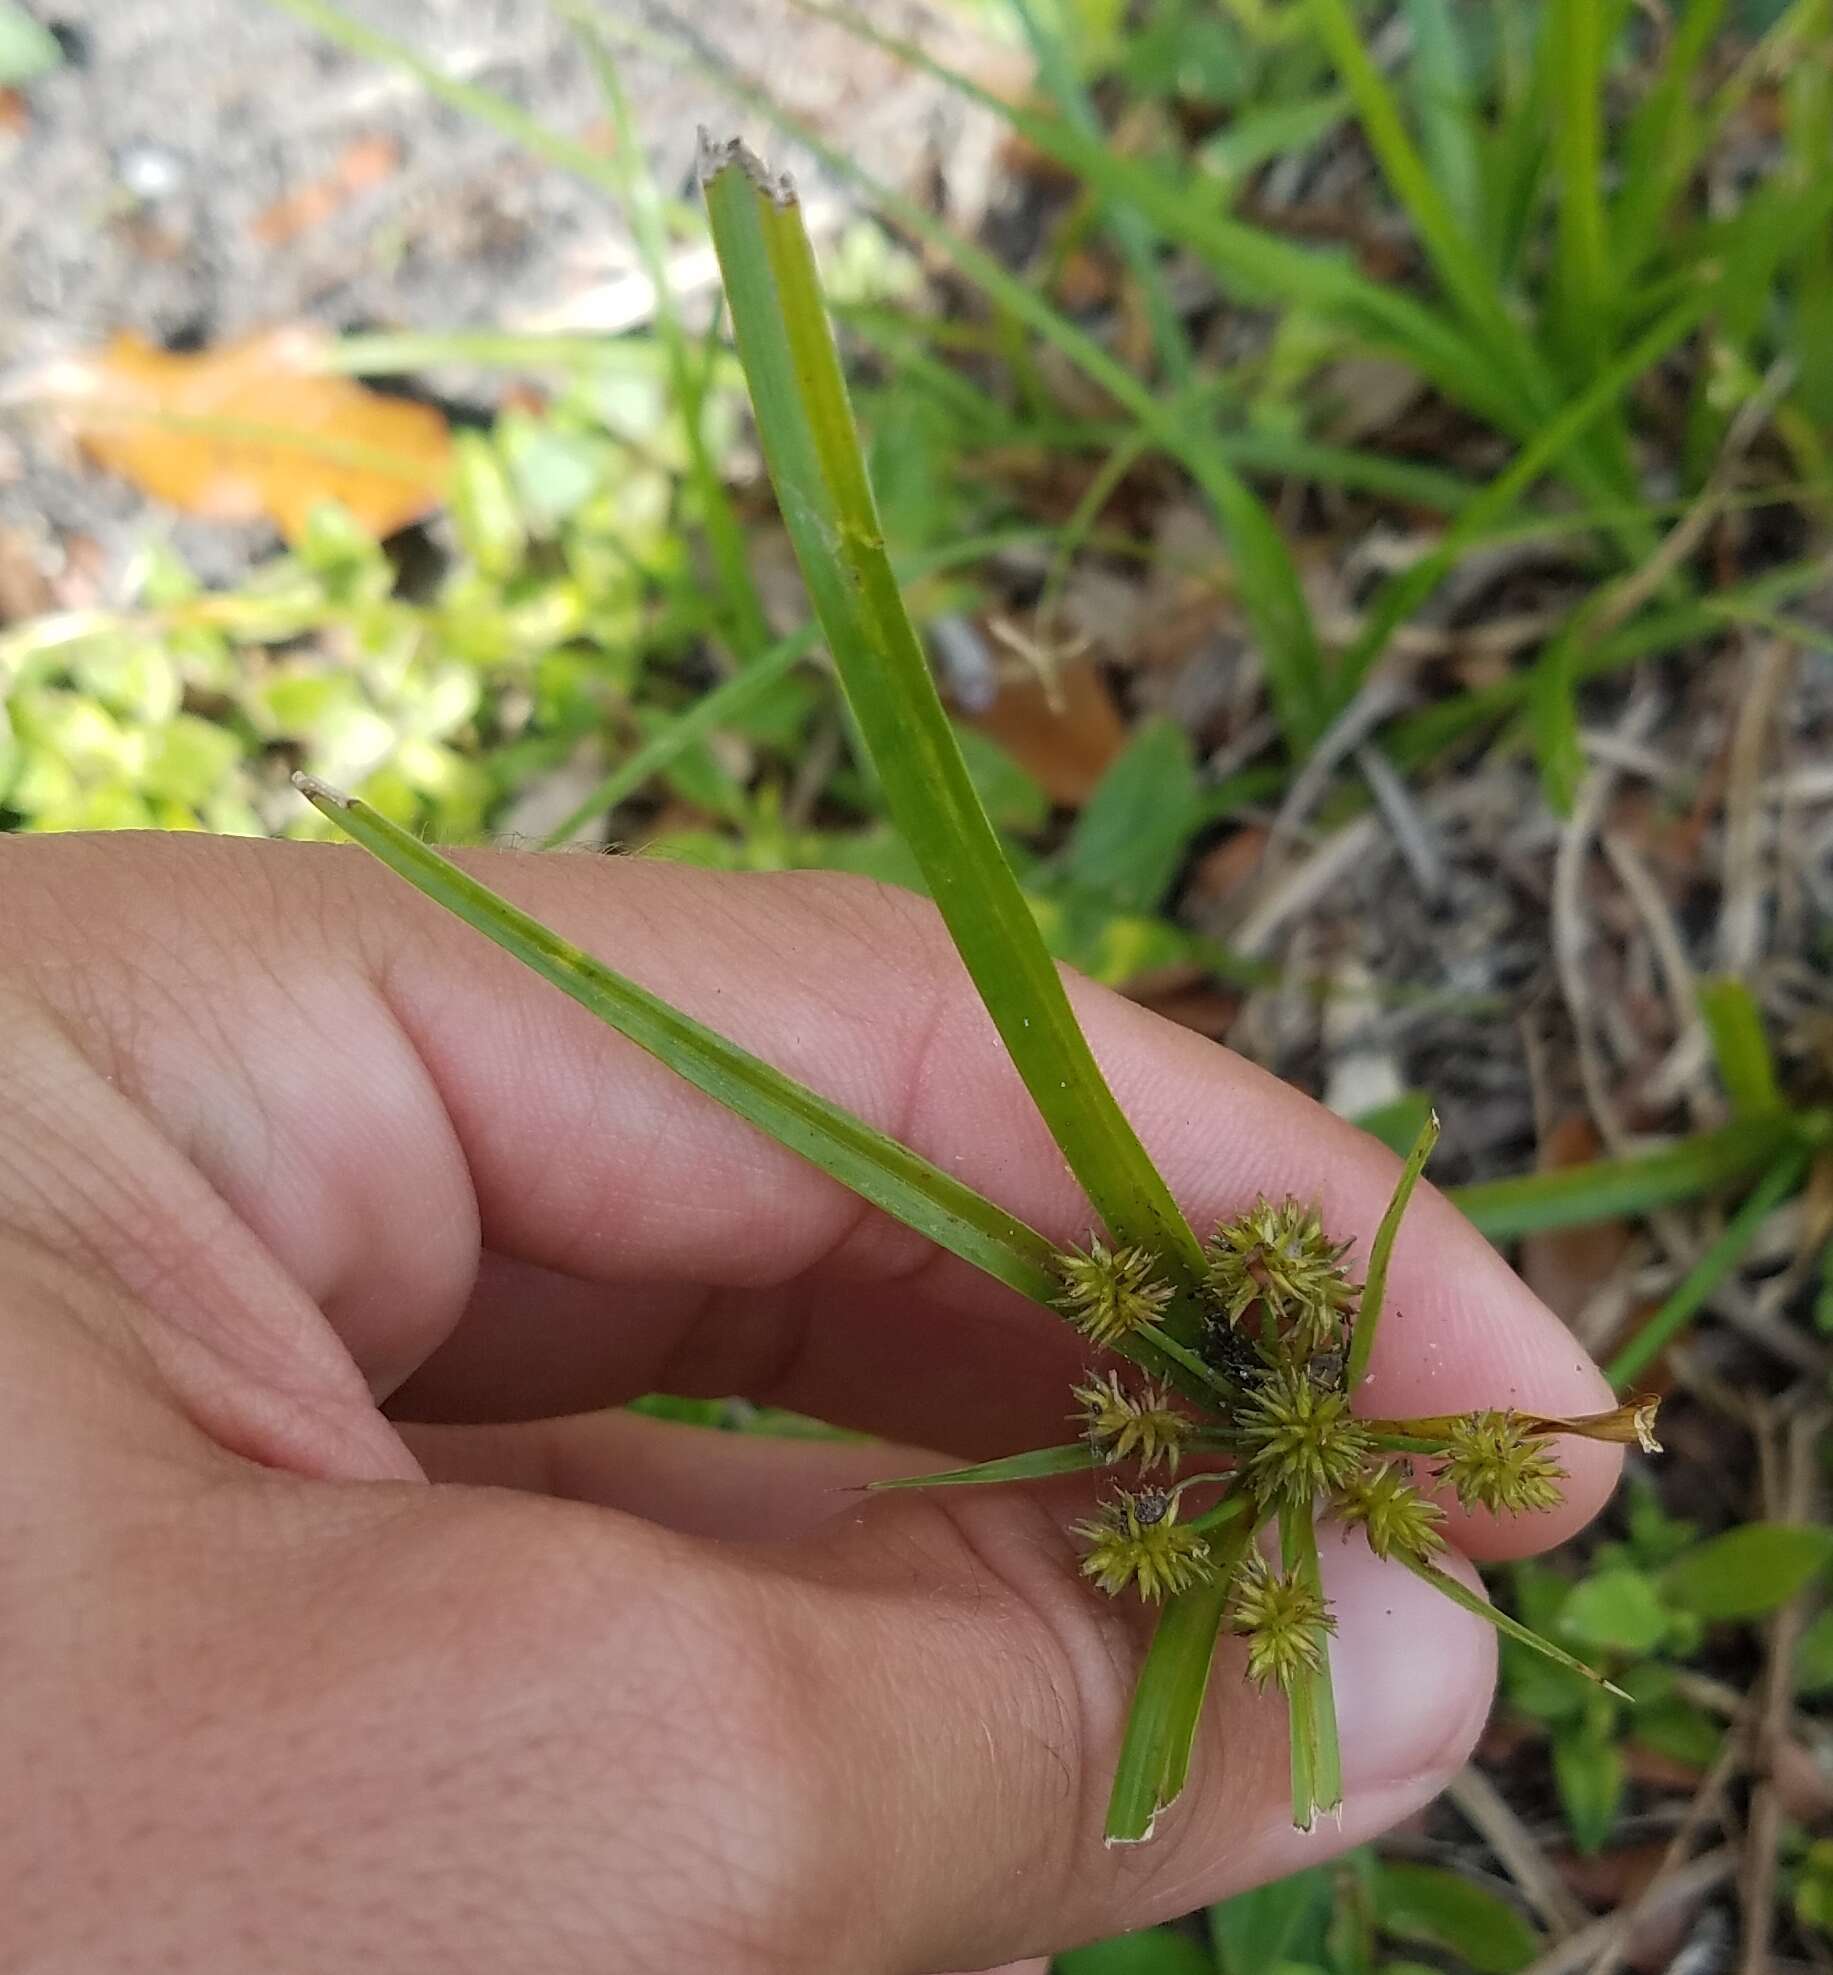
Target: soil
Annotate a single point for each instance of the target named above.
(200, 168)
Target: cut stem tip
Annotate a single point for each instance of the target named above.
(322, 794)
(734, 153)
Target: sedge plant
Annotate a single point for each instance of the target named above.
(1218, 1404)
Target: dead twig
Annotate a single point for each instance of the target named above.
(1535, 1875)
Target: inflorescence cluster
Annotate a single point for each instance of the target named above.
(1263, 1391)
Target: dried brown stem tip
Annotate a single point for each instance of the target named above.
(314, 790)
(734, 153)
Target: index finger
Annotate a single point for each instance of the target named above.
(426, 1099)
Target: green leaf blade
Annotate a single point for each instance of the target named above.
(1747, 1572)
(891, 1176)
(1734, 1027)
(1374, 1282)
(1448, 1910)
(1041, 1464)
(809, 439)
(1167, 1705)
(1511, 1628)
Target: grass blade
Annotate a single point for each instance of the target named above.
(1374, 1281)
(1077, 1457)
(1580, 251)
(893, 1178)
(1609, 1189)
(1058, 73)
(733, 699)
(1712, 1268)
(1445, 108)
(1253, 264)
(1454, 256)
(750, 630)
(1264, 572)
(1510, 1628)
(1734, 1026)
(812, 447)
(1311, 1708)
(1167, 1705)
(1543, 452)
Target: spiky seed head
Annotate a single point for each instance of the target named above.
(1109, 1292)
(1122, 1425)
(1280, 1259)
(1298, 1441)
(1136, 1538)
(1396, 1518)
(1493, 1463)
(1284, 1620)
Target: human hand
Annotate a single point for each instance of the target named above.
(284, 1142)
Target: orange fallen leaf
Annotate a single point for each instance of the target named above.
(365, 162)
(1067, 751)
(251, 430)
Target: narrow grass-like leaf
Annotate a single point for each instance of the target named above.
(1510, 1628)
(1609, 1189)
(1265, 575)
(1404, 593)
(1311, 1708)
(1576, 28)
(1078, 1457)
(1452, 251)
(1661, 142)
(535, 137)
(812, 448)
(1252, 263)
(1168, 1700)
(1057, 70)
(1461, 268)
(725, 539)
(731, 700)
(1734, 1025)
(1711, 1270)
(1552, 714)
(1445, 108)
(891, 1176)
(1374, 1281)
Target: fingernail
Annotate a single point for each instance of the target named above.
(1414, 1674)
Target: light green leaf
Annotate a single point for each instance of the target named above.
(1612, 1189)
(27, 50)
(1689, 1296)
(1397, 1124)
(1311, 1708)
(1451, 1911)
(1156, 1951)
(1814, 1657)
(1131, 836)
(1734, 1025)
(1588, 1774)
(1618, 1610)
(1748, 1571)
(1270, 1925)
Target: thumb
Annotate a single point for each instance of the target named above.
(976, 1694)
(457, 1729)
